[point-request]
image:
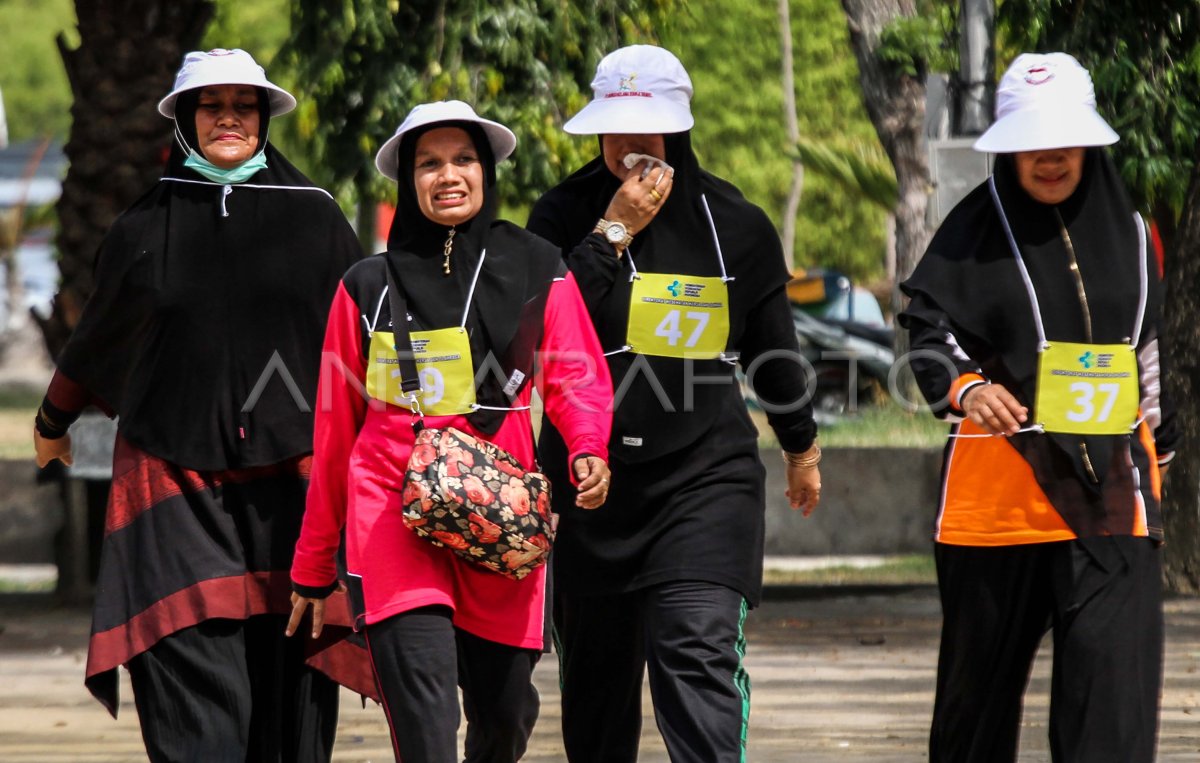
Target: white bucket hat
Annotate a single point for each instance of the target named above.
(500, 137)
(637, 89)
(224, 67)
(1045, 100)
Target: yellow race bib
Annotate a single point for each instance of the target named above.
(1089, 389)
(678, 316)
(443, 359)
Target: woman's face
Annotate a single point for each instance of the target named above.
(1050, 176)
(616, 147)
(448, 176)
(227, 124)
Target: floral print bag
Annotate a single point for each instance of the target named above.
(474, 498)
(467, 494)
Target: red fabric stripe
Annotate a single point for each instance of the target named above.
(235, 598)
(67, 395)
(142, 481)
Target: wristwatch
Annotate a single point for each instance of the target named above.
(614, 233)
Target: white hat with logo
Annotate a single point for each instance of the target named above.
(1044, 101)
(224, 67)
(637, 89)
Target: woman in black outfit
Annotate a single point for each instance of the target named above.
(204, 336)
(683, 279)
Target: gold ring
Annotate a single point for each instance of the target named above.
(654, 194)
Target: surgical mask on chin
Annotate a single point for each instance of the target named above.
(238, 174)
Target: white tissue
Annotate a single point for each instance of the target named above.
(630, 161)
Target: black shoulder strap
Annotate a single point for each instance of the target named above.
(410, 382)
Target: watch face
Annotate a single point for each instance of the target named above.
(615, 232)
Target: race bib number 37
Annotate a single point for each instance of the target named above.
(678, 316)
(1089, 389)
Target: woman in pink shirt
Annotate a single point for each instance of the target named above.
(434, 622)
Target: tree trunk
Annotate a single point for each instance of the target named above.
(128, 53)
(793, 127)
(1181, 506)
(977, 67)
(896, 104)
(365, 219)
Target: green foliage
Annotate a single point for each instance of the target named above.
(363, 64)
(357, 66)
(859, 170)
(37, 98)
(1145, 61)
(732, 51)
(916, 45)
(261, 28)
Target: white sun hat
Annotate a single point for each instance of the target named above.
(501, 138)
(224, 67)
(637, 89)
(1044, 101)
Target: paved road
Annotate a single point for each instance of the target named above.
(835, 679)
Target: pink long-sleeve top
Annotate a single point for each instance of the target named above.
(361, 451)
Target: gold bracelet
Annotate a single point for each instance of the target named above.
(806, 460)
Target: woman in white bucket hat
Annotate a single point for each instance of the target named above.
(203, 334)
(481, 298)
(684, 279)
(1037, 309)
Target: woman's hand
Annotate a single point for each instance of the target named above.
(640, 197)
(299, 604)
(593, 475)
(994, 409)
(804, 487)
(47, 450)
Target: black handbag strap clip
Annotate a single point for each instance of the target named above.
(410, 380)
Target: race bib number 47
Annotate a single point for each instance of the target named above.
(678, 316)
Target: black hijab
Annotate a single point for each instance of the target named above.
(505, 317)
(679, 240)
(969, 273)
(204, 330)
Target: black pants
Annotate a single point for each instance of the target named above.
(690, 635)
(233, 691)
(421, 660)
(1101, 597)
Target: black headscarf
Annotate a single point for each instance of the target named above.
(204, 331)
(505, 317)
(679, 240)
(969, 273)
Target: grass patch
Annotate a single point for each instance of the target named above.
(880, 426)
(885, 426)
(915, 569)
(27, 587)
(20, 396)
(16, 431)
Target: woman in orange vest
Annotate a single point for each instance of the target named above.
(1035, 327)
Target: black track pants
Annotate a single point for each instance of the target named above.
(233, 691)
(689, 635)
(421, 660)
(1102, 599)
